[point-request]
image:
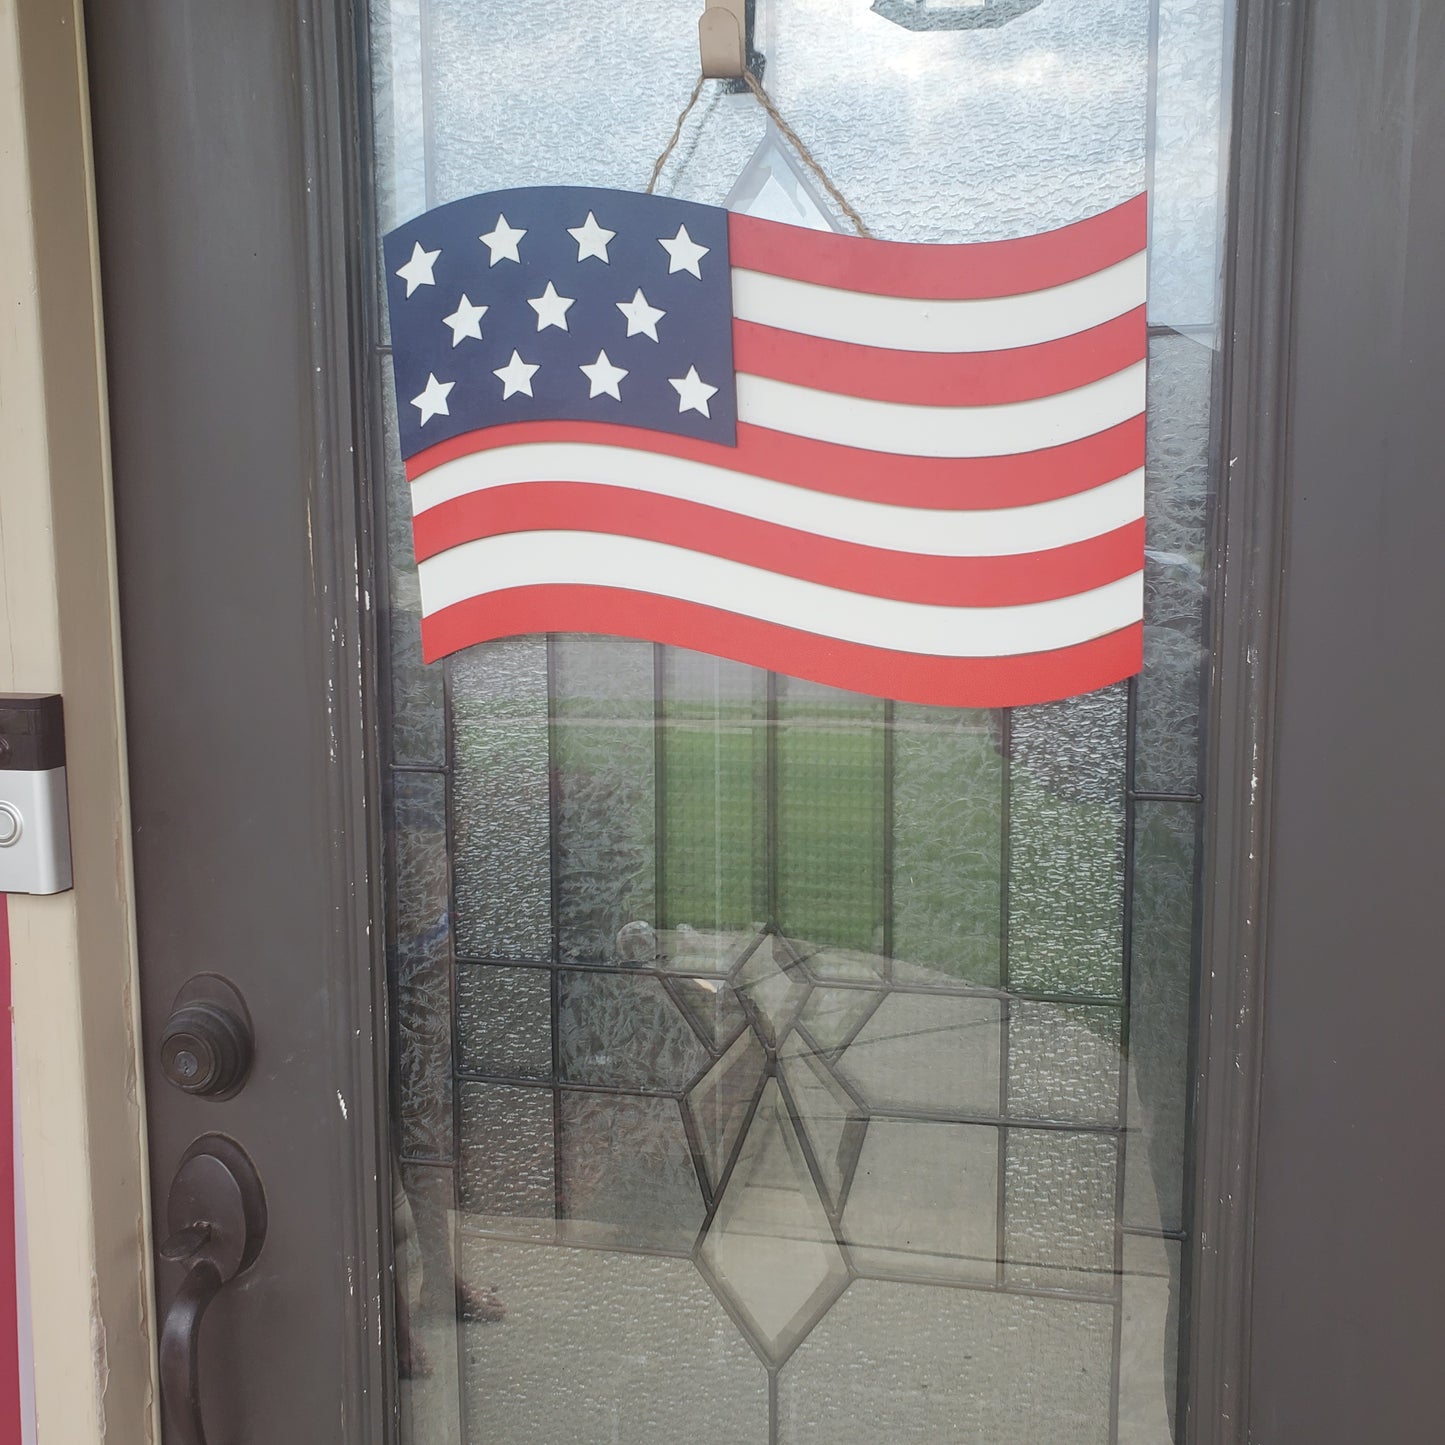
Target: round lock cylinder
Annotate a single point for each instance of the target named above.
(207, 1044)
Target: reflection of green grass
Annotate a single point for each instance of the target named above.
(1064, 894)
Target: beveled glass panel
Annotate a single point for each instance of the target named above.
(815, 1063)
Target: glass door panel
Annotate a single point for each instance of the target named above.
(773, 1063)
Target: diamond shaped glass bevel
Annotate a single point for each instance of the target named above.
(831, 1015)
(720, 1100)
(774, 187)
(773, 987)
(831, 1120)
(711, 1005)
(770, 1250)
(685, 949)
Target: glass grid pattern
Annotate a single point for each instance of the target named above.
(773, 911)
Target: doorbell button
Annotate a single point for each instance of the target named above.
(34, 806)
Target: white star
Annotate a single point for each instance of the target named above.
(433, 401)
(502, 242)
(465, 321)
(551, 308)
(417, 271)
(683, 253)
(692, 392)
(642, 319)
(591, 238)
(516, 376)
(603, 377)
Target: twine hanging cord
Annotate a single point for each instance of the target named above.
(792, 137)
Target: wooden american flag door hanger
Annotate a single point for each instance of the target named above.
(909, 470)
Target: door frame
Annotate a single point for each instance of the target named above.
(298, 197)
(1248, 577)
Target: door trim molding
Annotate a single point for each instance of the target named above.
(1249, 549)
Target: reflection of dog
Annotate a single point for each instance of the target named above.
(418, 1200)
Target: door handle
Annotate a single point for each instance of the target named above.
(216, 1213)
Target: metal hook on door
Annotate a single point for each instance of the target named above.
(216, 1212)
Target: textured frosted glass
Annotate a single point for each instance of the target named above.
(398, 121)
(627, 1174)
(417, 722)
(1059, 1209)
(601, 1348)
(830, 821)
(625, 1031)
(947, 844)
(920, 1051)
(943, 135)
(714, 760)
(1190, 132)
(606, 786)
(421, 964)
(670, 854)
(1176, 506)
(504, 1021)
(1163, 942)
(1066, 836)
(986, 1369)
(507, 1166)
(924, 1201)
(1063, 1062)
(500, 800)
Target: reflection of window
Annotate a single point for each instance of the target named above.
(953, 14)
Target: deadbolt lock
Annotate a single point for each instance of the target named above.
(207, 1044)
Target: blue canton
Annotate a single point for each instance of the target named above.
(524, 366)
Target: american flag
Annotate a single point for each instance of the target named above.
(909, 470)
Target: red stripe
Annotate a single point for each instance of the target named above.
(948, 482)
(904, 676)
(906, 576)
(930, 378)
(970, 272)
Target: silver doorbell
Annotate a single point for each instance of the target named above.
(34, 808)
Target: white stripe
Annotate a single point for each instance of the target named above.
(527, 559)
(904, 324)
(942, 431)
(996, 532)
